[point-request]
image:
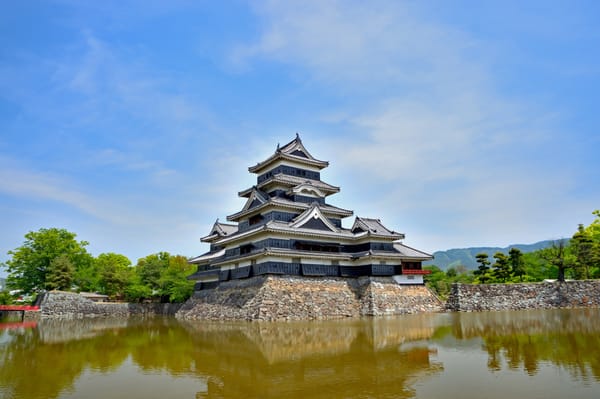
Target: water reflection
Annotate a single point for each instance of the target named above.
(353, 358)
(569, 339)
(330, 359)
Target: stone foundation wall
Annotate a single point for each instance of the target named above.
(547, 295)
(69, 305)
(385, 297)
(305, 298)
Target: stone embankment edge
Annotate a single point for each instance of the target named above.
(274, 297)
(304, 298)
(546, 295)
(70, 305)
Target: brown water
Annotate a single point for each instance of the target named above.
(533, 354)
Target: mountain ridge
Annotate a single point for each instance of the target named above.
(466, 256)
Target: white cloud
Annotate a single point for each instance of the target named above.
(368, 43)
(36, 185)
(428, 133)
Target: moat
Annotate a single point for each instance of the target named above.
(533, 354)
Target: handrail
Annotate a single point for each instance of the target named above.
(19, 307)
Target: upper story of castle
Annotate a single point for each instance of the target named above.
(289, 197)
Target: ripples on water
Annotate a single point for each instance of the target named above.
(549, 354)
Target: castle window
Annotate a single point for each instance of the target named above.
(255, 219)
(246, 249)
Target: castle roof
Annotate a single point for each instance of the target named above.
(205, 258)
(220, 230)
(313, 218)
(257, 202)
(409, 253)
(292, 181)
(301, 227)
(373, 226)
(292, 151)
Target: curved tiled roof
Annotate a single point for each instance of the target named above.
(411, 253)
(294, 151)
(292, 181)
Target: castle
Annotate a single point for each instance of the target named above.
(287, 227)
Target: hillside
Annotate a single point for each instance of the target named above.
(466, 256)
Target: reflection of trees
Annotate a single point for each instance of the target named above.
(321, 359)
(31, 369)
(566, 338)
(351, 358)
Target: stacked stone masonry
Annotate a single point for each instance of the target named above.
(548, 295)
(69, 305)
(273, 298)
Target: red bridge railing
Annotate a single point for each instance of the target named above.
(19, 307)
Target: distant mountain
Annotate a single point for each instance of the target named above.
(466, 256)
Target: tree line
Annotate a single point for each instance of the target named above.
(53, 259)
(576, 258)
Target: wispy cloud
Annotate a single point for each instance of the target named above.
(431, 134)
(45, 186)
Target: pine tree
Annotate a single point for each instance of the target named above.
(582, 246)
(502, 268)
(482, 270)
(515, 259)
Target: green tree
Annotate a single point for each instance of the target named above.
(150, 268)
(6, 298)
(86, 277)
(162, 275)
(173, 281)
(115, 273)
(582, 246)
(593, 232)
(556, 255)
(501, 267)
(515, 259)
(29, 264)
(441, 282)
(136, 291)
(437, 280)
(536, 267)
(483, 269)
(60, 273)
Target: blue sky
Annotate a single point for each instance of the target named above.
(459, 123)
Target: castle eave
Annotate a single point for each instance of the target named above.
(291, 181)
(207, 257)
(275, 203)
(259, 167)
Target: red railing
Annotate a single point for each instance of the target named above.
(415, 271)
(19, 307)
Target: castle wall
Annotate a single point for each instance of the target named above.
(70, 305)
(304, 298)
(547, 295)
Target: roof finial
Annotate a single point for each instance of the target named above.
(298, 137)
(278, 148)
